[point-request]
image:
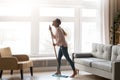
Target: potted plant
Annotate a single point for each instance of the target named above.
(116, 23)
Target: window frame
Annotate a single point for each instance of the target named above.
(35, 18)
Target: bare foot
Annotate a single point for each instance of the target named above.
(57, 73)
(74, 74)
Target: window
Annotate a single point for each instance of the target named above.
(45, 44)
(15, 35)
(45, 41)
(26, 28)
(89, 12)
(91, 0)
(91, 29)
(60, 12)
(90, 34)
(14, 10)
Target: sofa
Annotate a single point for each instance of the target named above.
(103, 60)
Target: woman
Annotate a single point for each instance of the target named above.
(59, 36)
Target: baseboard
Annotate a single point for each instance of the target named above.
(42, 69)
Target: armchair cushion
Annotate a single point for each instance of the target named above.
(24, 64)
(22, 57)
(5, 52)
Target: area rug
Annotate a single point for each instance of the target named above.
(60, 75)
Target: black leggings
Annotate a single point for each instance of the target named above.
(64, 51)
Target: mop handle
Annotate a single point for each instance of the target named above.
(53, 43)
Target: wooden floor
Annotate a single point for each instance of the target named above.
(48, 76)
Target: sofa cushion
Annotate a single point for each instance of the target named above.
(87, 61)
(102, 65)
(115, 53)
(101, 51)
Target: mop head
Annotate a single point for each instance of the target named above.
(60, 75)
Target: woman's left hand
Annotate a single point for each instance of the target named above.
(54, 44)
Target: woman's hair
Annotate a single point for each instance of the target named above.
(58, 21)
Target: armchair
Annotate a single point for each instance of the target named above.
(14, 62)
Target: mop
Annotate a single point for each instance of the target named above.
(60, 75)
